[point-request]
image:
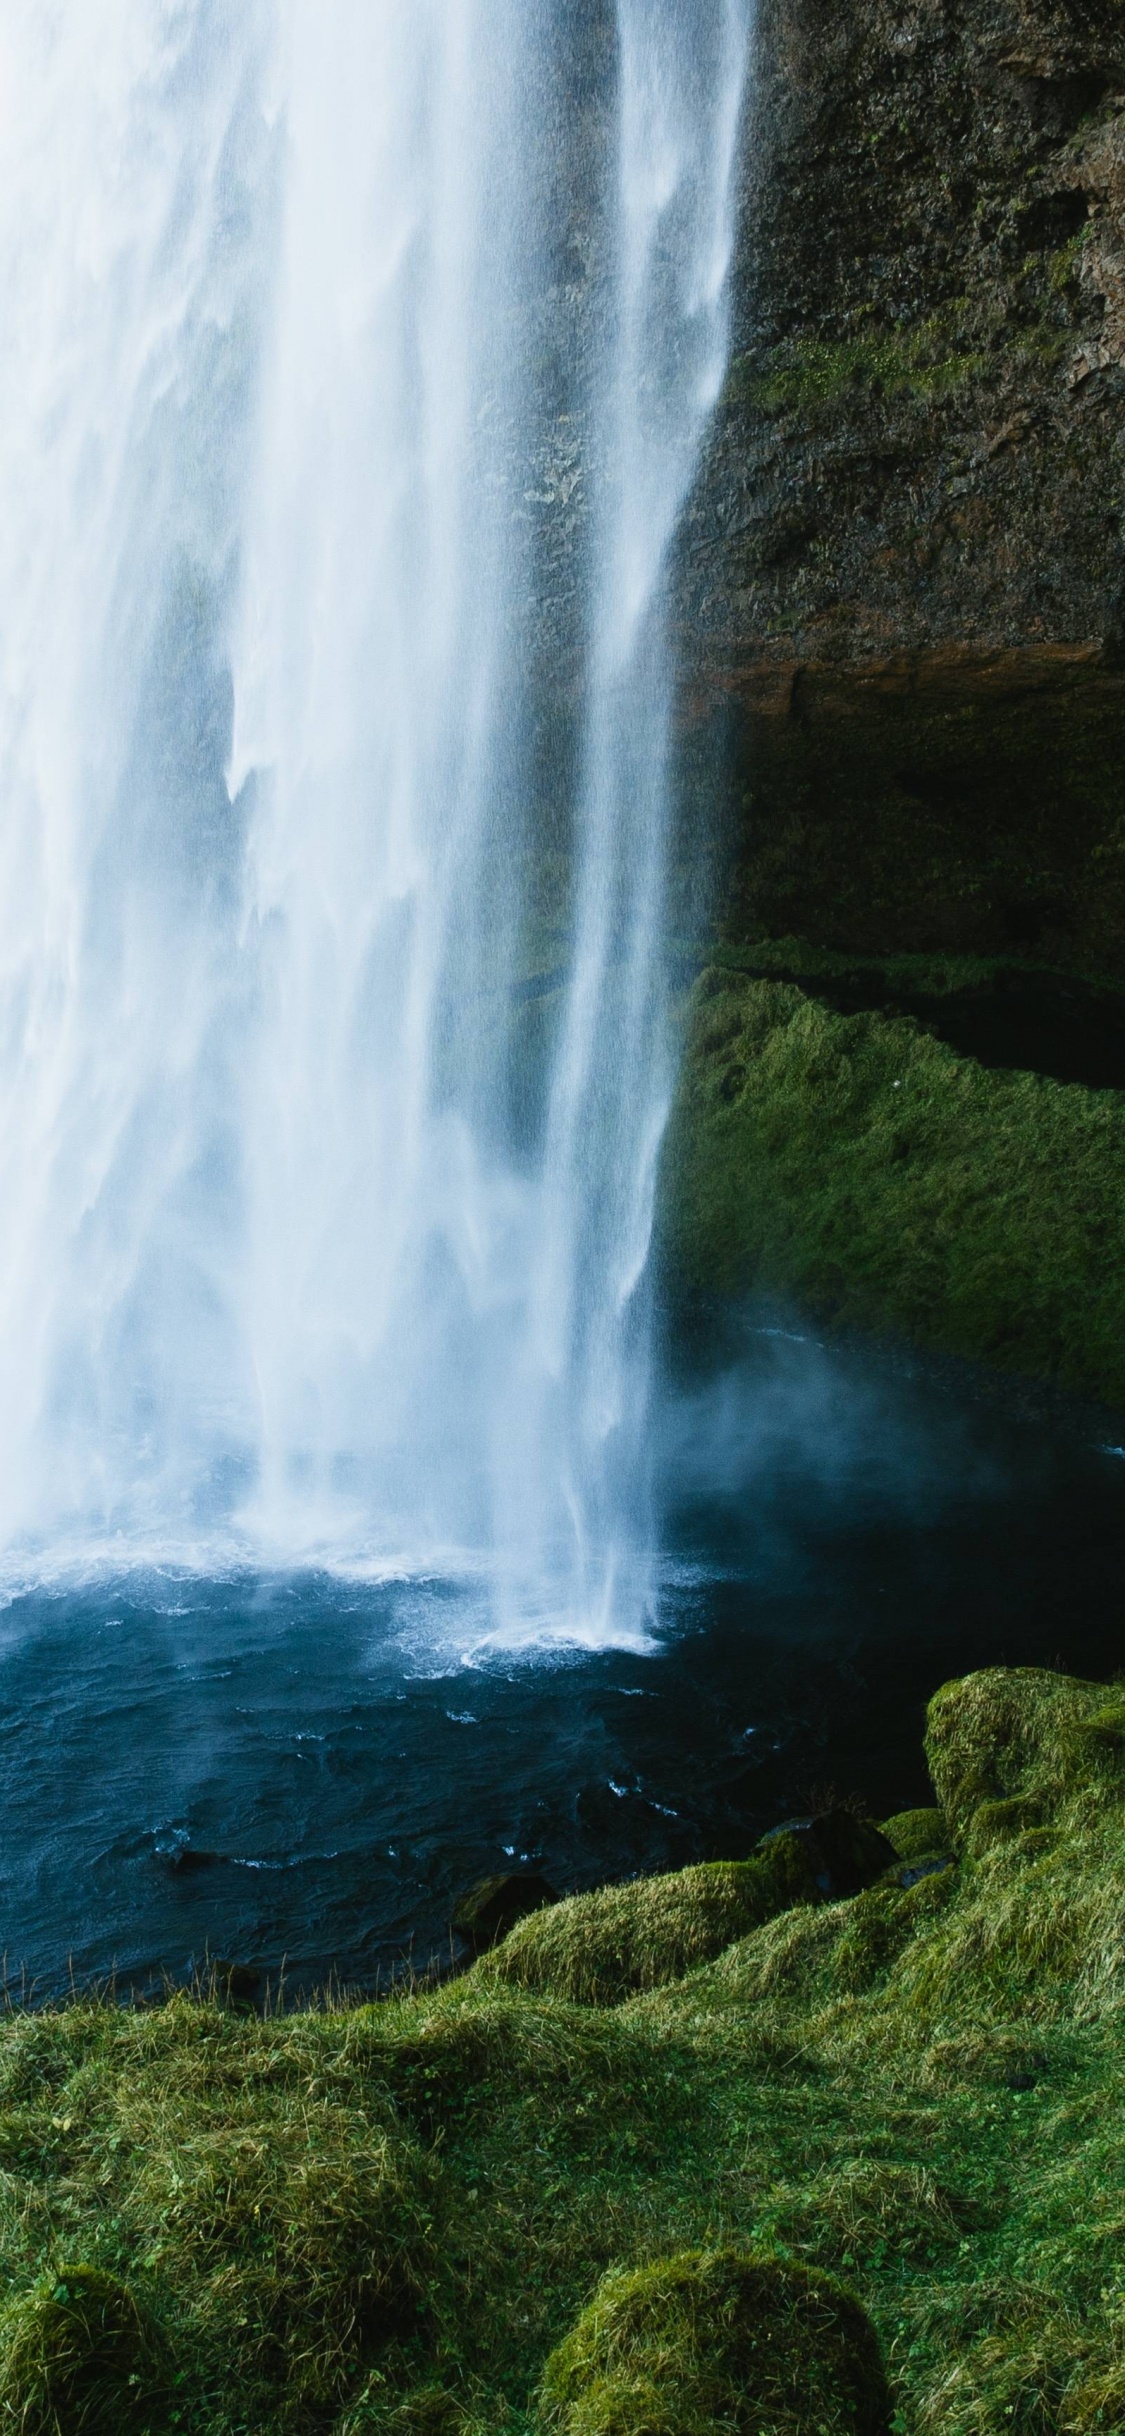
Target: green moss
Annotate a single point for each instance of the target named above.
(1012, 1739)
(861, 1166)
(1064, 264)
(597, 1949)
(934, 360)
(80, 2356)
(388, 2221)
(719, 2340)
(917, 1835)
(803, 374)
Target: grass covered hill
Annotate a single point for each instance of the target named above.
(786, 2166)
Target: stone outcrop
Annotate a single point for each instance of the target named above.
(901, 592)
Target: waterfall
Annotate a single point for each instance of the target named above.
(359, 355)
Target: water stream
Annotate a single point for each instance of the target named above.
(321, 1241)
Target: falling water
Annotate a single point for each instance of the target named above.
(357, 359)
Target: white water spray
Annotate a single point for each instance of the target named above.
(327, 1158)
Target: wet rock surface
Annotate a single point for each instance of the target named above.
(901, 596)
(490, 1909)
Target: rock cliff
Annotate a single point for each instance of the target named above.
(901, 593)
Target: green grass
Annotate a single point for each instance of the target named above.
(918, 1835)
(864, 1168)
(602, 1947)
(79, 2350)
(489, 2209)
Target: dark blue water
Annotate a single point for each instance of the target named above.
(301, 1775)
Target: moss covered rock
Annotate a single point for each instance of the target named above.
(920, 2087)
(79, 2355)
(917, 1835)
(844, 1853)
(719, 2340)
(312, 2233)
(864, 1168)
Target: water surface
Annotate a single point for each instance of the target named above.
(302, 1772)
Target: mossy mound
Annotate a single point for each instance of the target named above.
(601, 1948)
(597, 1949)
(719, 2340)
(80, 2356)
(864, 1168)
(1005, 1747)
(261, 2179)
(917, 1835)
(297, 2224)
(471, 2048)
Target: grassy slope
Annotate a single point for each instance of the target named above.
(322, 2217)
(865, 1168)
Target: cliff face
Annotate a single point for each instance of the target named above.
(901, 595)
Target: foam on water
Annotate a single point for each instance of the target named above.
(321, 1242)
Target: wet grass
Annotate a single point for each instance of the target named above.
(491, 2207)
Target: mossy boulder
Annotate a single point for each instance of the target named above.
(600, 1948)
(294, 2221)
(79, 2355)
(845, 1853)
(738, 2341)
(472, 2048)
(917, 1835)
(1007, 1745)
